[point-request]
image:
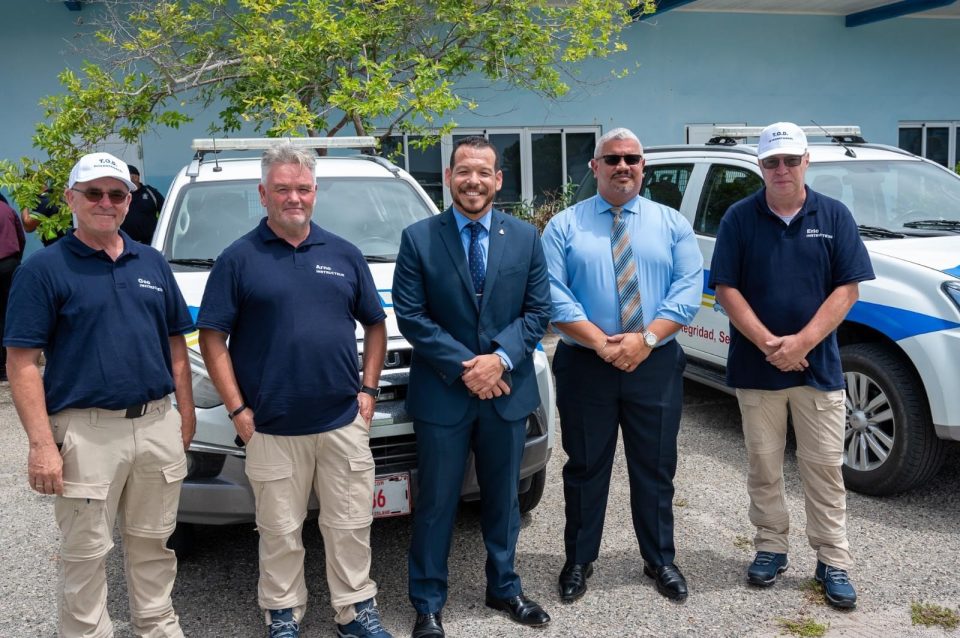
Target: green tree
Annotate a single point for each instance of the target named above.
(307, 67)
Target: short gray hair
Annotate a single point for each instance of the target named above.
(615, 134)
(286, 153)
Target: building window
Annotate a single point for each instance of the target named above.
(536, 162)
(937, 141)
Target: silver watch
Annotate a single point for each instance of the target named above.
(650, 339)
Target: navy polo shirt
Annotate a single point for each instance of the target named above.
(104, 325)
(291, 315)
(786, 272)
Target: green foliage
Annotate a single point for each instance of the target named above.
(308, 67)
(553, 203)
(803, 627)
(930, 615)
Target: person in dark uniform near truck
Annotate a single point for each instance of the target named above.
(109, 318)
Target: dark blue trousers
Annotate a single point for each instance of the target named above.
(595, 401)
(442, 452)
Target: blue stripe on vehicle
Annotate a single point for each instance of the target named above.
(953, 271)
(897, 323)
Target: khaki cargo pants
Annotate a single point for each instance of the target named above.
(339, 466)
(818, 422)
(125, 470)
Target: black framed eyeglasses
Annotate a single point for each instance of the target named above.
(94, 195)
(791, 161)
(614, 160)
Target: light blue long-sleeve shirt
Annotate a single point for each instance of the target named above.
(580, 262)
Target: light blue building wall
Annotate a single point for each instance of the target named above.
(685, 68)
(696, 67)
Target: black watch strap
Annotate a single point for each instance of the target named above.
(230, 415)
(374, 392)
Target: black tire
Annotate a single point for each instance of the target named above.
(182, 540)
(889, 443)
(531, 498)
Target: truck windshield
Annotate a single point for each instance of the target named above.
(892, 195)
(368, 212)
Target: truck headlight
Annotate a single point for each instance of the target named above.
(952, 288)
(205, 394)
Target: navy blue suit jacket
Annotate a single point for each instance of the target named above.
(438, 313)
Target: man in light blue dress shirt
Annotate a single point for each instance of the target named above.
(611, 378)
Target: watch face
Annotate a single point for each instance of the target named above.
(651, 339)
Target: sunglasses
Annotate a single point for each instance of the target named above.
(614, 160)
(94, 195)
(791, 161)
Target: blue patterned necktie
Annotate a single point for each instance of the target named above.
(625, 268)
(478, 271)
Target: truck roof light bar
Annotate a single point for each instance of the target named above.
(811, 131)
(205, 145)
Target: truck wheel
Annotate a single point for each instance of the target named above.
(531, 498)
(889, 443)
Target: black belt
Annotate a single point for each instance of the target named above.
(136, 411)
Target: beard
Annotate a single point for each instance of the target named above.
(473, 205)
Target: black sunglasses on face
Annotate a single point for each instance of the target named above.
(791, 161)
(614, 160)
(94, 195)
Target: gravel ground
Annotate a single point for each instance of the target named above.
(906, 548)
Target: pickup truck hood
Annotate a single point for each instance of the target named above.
(938, 253)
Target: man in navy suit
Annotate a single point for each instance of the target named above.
(471, 295)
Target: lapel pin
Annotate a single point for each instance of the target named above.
(501, 232)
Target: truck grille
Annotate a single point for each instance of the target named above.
(394, 453)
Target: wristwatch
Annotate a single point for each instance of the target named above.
(650, 339)
(374, 392)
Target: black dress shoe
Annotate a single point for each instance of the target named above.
(428, 626)
(670, 582)
(573, 580)
(521, 610)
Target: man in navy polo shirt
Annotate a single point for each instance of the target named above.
(109, 318)
(289, 295)
(786, 268)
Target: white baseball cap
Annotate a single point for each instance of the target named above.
(782, 138)
(96, 165)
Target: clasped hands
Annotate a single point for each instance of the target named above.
(483, 376)
(787, 354)
(624, 351)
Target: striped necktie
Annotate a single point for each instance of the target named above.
(625, 268)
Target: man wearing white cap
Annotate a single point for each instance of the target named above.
(109, 318)
(786, 268)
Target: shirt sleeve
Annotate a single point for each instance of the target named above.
(31, 311)
(725, 265)
(566, 308)
(179, 320)
(367, 309)
(221, 297)
(682, 300)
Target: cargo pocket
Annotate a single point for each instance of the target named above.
(81, 514)
(173, 476)
(360, 490)
(272, 492)
(758, 435)
(831, 422)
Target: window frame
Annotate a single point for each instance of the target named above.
(526, 154)
(953, 131)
